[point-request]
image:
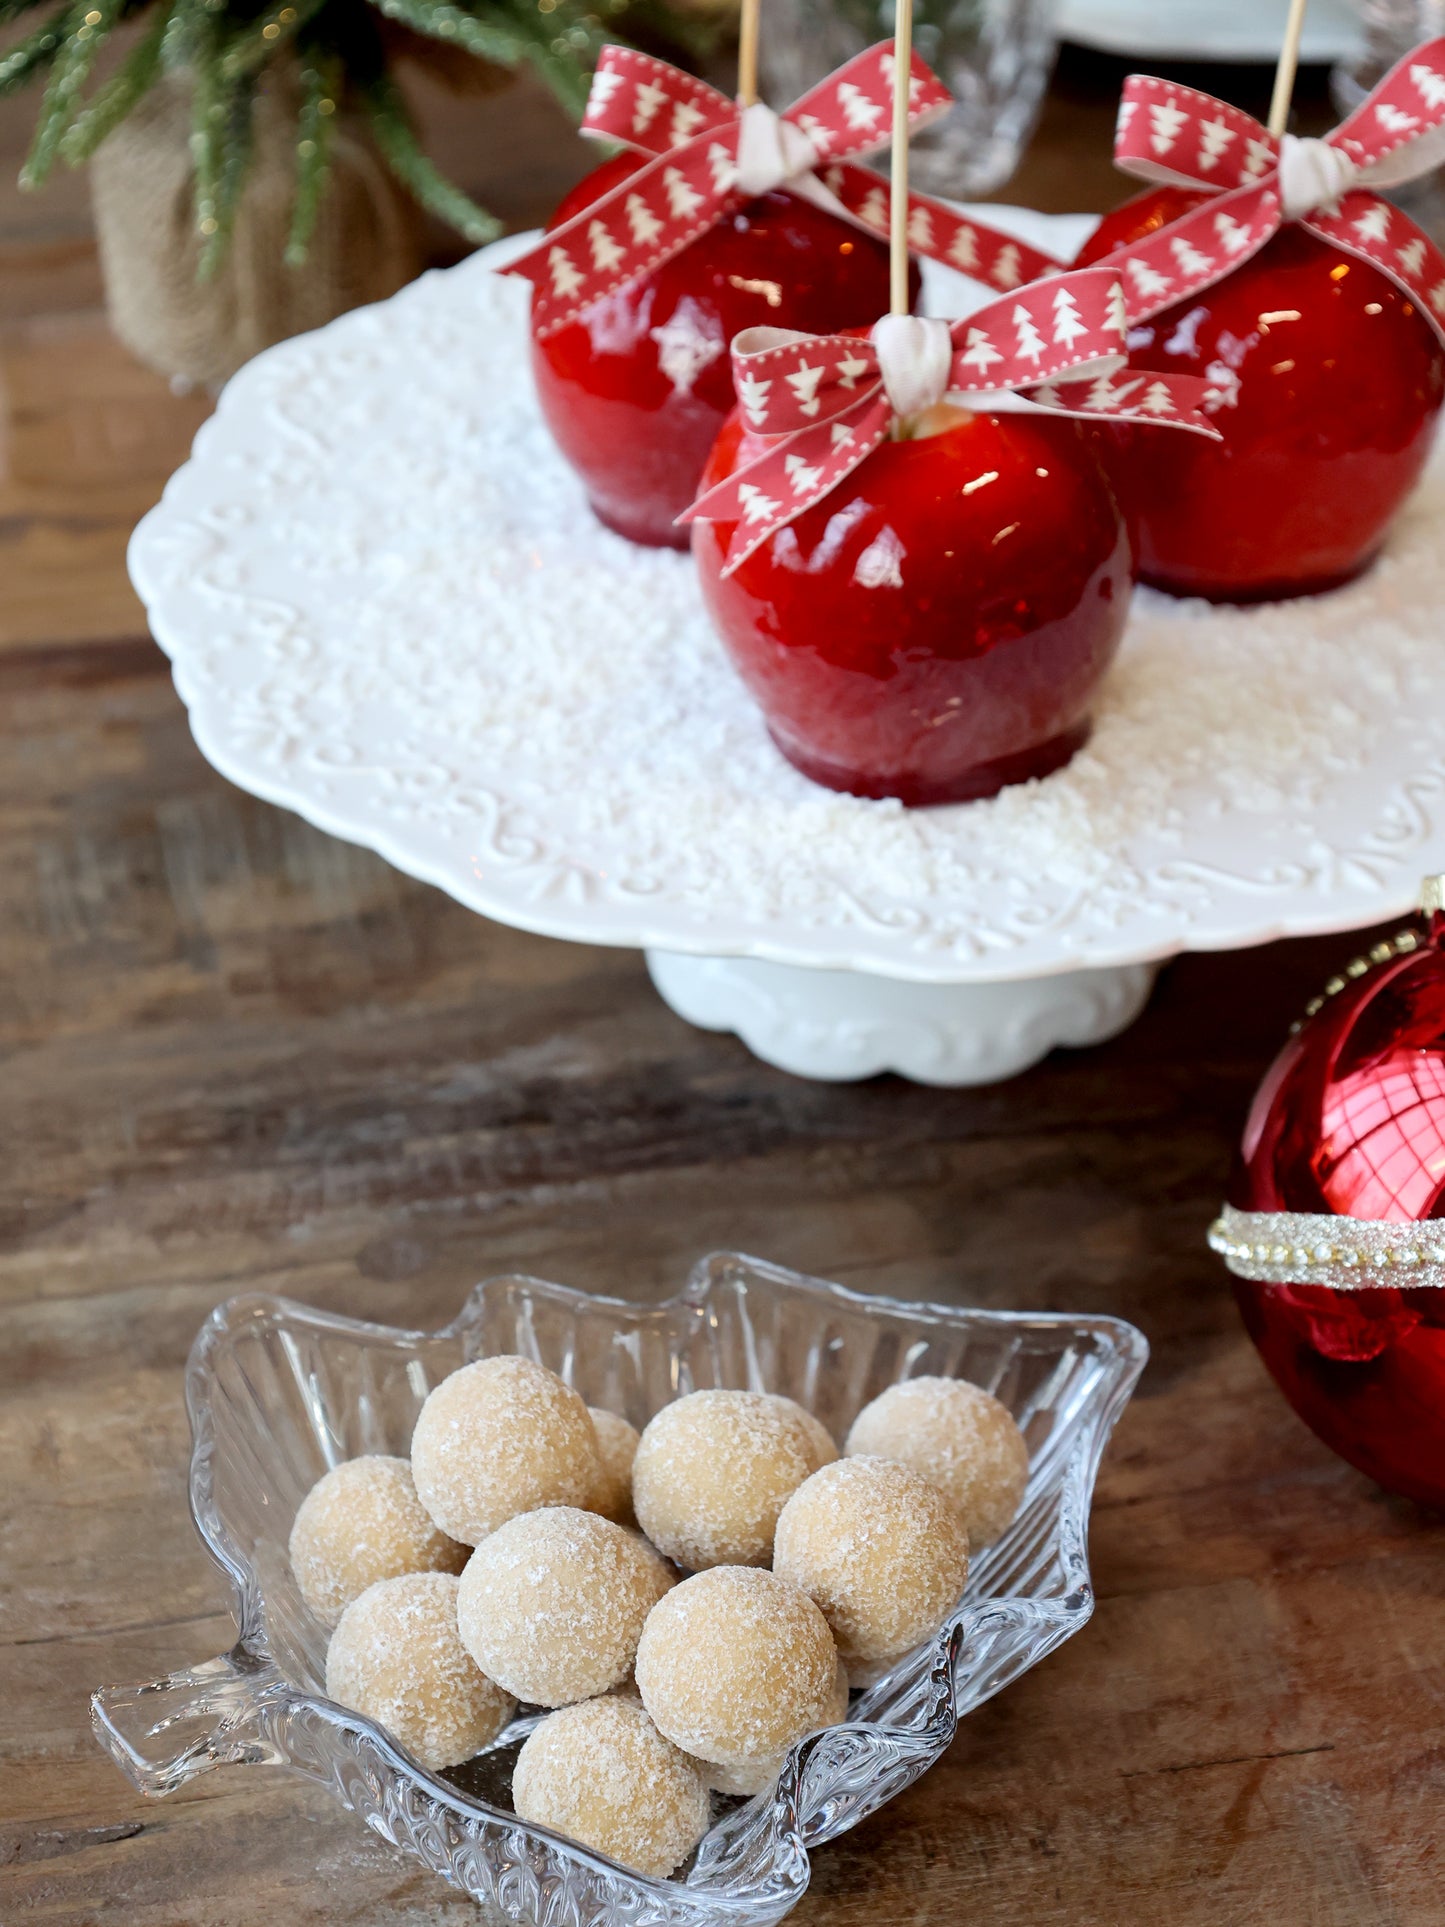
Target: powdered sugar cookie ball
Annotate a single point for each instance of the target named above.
(713, 1471)
(879, 1549)
(758, 1775)
(396, 1657)
(735, 1664)
(958, 1436)
(602, 1773)
(552, 1604)
(822, 1449)
(361, 1522)
(497, 1438)
(616, 1449)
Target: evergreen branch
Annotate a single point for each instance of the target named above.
(12, 9)
(440, 20)
(253, 44)
(232, 162)
(696, 35)
(33, 53)
(320, 84)
(194, 45)
(114, 100)
(89, 25)
(563, 47)
(396, 137)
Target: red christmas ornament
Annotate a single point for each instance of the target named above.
(923, 594)
(1330, 1226)
(1314, 309)
(721, 217)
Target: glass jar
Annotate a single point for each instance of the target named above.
(994, 56)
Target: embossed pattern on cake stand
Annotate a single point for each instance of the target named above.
(388, 609)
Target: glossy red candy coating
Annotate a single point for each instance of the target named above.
(1351, 1120)
(636, 389)
(1328, 384)
(935, 627)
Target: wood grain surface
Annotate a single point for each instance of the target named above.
(238, 1054)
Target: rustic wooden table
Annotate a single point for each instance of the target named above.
(240, 1055)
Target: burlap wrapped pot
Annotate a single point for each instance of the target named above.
(366, 244)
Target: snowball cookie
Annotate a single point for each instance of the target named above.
(497, 1438)
(602, 1773)
(616, 1449)
(713, 1471)
(758, 1775)
(956, 1435)
(396, 1657)
(552, 1604)
(361, 1522)
(822, 1449)
(881, 1551)
(735, 1664)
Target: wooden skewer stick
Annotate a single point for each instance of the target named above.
(748, 53)
(1288, 66)
(898, 209)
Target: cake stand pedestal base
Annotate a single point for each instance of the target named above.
(839, 1025)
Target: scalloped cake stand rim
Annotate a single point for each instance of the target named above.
(630, 926)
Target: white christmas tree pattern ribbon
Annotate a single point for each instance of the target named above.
(1316, 1248)
(1173, 135)
(710, 155)
(830, 400)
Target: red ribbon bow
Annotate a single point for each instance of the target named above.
(1172, 134)
(710, 156)
(831, 399)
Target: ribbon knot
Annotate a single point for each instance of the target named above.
(825, 402)
(706, 156)
(1256, 183)
(1313, 174)
(771, 150)
(915, 358)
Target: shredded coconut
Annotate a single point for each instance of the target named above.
(957, 1436)
(552, 1605)
(735, 1664)
(602, 1773)
(880, 1551)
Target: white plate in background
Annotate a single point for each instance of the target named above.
(1209, 29)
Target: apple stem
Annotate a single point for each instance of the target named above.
(898, 192)
(1285, 72)
(748, 53)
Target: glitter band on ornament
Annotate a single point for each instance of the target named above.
(1317, 1248)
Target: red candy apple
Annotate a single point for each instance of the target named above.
(1349, 1123)
(636, 389)
(1325, 385)
(936, 626)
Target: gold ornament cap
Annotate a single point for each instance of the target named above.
(1432, 895)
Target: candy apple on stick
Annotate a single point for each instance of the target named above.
(906, 540)
(717, 217)
(1314, 309)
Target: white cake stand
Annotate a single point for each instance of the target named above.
(388, 609)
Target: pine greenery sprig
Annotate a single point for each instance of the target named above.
(34, 54)
(396, 137)
(111, 103)
(222, 48)
(320, 85)
(89, 23)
